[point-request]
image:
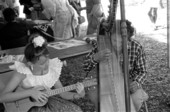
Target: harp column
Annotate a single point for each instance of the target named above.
(125, 56)
(168, 31)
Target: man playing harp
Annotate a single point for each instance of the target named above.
(137, 67)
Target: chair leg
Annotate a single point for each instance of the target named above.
(146, 107)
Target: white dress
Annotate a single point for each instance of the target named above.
(55, 103)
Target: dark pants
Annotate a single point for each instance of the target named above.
(1, 107)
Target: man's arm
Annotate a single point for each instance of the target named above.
(141, 66)
(95, 56)
(89, 62)
(138, 73)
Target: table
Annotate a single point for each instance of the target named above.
(61, 54)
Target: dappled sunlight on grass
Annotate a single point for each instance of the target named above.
(159, 37)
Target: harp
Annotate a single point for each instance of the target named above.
(114, 94)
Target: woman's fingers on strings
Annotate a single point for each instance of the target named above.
(43, 98)
(45, 95)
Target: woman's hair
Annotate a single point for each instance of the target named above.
(33, 52)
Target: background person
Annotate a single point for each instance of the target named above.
(27, 8)
(64, 16)
(14, 33)
(3, 5)
(14, 4)
(81, 19)
(153, 12)
(95, 13)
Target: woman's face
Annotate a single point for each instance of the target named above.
(43, 61)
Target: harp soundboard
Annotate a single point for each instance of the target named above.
(112, 92)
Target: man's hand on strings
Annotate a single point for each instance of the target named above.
(102, 55)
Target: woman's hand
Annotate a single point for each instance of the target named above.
(38, 95)
(80, 90)
(102, 55)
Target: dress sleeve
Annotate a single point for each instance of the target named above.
(20, 68)
(56, 65)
